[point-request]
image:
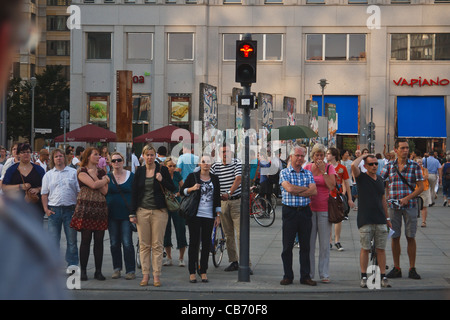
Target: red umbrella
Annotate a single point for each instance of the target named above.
(165, 134)
(88, 133)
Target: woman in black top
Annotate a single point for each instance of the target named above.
(25, 177)
(200, 226)
(149, 212)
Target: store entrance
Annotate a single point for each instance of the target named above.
(422, 145)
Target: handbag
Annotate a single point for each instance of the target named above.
(171, 201)
(336, 212)
(133, 225)
(189, 204)
(29, 197)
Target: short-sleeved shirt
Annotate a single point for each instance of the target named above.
(341, 176)
(61, 186)
(303, 178)
(370, 200)
(187, 163)
(397, 188)
(319, 202)
(226, 174)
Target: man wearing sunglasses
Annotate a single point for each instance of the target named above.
(372, 215)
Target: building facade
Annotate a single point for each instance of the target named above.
(385, 62)
(50, 39)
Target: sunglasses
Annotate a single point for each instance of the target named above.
(116, 160)
(372, 164)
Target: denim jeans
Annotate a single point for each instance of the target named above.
(62, 218)
(120, 234)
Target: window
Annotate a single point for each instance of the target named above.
(140, 46)
(273, 1)
(315, 1)
(442, 46)
(58, 48)
(269, 46)
(99, 45)
(57, 23)
(181, 46)
(400, 1)
(59, 2)
(356, 1)
(399, 47)
(336, 46)
(420, 46)
(231, 1)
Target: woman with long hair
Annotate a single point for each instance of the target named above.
(178, 222)
(209, 208)
(91, 211)
(149, 212)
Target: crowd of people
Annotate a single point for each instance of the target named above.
(90, 191)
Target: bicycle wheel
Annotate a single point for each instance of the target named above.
(138, 257)
(373, 270)
(218, 245)
(274, 200)
(263, 212)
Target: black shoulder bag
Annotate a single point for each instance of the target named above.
(189, 204)
(418, 199)
(133, 225)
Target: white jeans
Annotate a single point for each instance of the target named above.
(321, 228)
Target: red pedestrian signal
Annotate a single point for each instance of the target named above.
(246, 61)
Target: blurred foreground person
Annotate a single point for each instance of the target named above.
(30, 267)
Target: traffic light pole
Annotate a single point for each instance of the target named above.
(246, 60)
(244, 254)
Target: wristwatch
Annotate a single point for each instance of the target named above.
(325, 173)
(229, 193)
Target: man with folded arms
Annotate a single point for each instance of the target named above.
(297, 185)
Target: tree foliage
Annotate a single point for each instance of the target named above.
(51, 96)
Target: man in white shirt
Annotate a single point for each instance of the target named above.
(59, 197)
(43, 159)
(134, 161)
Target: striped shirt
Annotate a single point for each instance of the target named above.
(226, 174)
(397, 188)
(303, 179)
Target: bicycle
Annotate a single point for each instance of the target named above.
(261, 209)
(218, 245)
(374, 280)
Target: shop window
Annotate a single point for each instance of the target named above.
(442, 48)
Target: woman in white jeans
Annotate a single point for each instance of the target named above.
(324, 177)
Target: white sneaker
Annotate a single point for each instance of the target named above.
(181, 263)
(168, 262)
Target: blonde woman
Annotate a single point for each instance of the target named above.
(325, 179)
(119, 226)
(149, 212)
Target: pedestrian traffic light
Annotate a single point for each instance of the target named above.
(246, 61)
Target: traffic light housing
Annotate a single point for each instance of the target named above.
(246, 61)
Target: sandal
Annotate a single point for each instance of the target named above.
(424, 224)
